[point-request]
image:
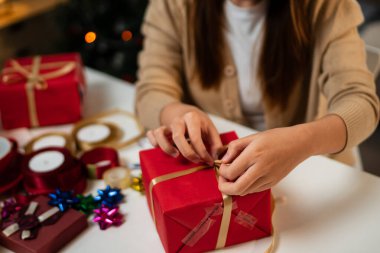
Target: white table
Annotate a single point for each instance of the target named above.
(325, 207)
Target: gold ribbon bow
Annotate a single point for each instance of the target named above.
(36, 80)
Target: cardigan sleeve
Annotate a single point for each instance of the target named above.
(345, 79)
(160, 62)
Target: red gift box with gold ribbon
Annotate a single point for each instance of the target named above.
(41, 91)
(189, 211)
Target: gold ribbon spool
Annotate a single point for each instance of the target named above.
(69, 144)
(118, 177)
(102, 117)
(109, 141)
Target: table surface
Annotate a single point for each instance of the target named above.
(321, 206)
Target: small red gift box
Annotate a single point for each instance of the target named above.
(50, 238)
(41, 91)
(190, 212)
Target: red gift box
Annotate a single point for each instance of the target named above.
(50, 238)
(188, 209)
(41, 91)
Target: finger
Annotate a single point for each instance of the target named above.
(238, 166)
(220, 152)
(240, 186)
(151, 138)
(235, 148)
(214, 141)
(178, 129)
(260, 188)
(195, 134)
(163, 141)
(260, 182)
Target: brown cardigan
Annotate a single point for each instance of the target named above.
(340, 80)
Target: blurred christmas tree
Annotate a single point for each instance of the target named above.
(106, 33)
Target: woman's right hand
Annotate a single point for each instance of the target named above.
(186, 130)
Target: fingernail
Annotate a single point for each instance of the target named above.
(225, 158)
(175, 154)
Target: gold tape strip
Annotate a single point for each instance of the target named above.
(69, 143)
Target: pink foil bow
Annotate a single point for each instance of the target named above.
(108, 216)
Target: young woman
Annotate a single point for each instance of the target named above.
(295, 69)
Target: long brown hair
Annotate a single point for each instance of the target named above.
(285, 56)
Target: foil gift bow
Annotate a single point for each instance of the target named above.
(29, 223)
(108, 216)
(9, 209)
(34, 79)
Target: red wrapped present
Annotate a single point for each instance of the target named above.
(51, 235)
(41, 91)
(191, 214)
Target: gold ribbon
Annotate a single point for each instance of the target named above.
(69, 144)
(115, 135)
(227, 200)
(36, 80)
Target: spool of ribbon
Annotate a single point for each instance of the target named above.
(50, 140)
(126, 118)
(118, 178)
(90, 134)
(51, 168)
(99, 160)
(34, 80)
(10, 160)
(29, 223)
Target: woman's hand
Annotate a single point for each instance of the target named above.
(182, 123)
(257, 162)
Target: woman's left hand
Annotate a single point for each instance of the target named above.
(257, 162)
